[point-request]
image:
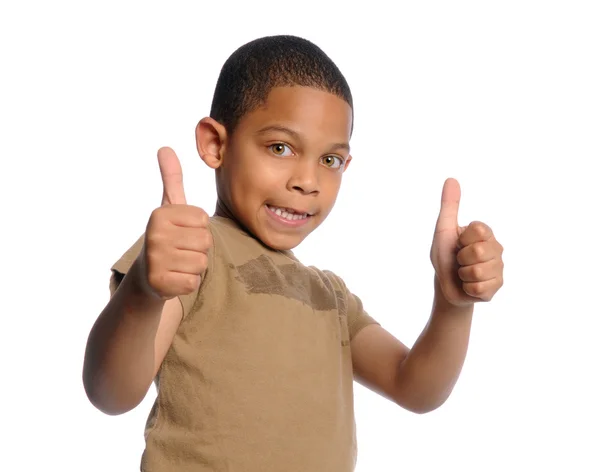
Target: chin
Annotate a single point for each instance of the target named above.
(282, 243)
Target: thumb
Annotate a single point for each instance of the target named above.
(172, 177)
(448, 218)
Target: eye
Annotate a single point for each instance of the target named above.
(279, 149)
(333, 162)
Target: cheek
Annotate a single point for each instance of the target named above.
(254, 177)
(330, 185)
(265, 172)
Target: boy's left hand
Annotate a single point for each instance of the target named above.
(468, 259)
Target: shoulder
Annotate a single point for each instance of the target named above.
(124, 263)
(227, 228)
(349, 304)
(332, 280)
(230, 240)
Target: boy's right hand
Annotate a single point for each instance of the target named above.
(177, 238)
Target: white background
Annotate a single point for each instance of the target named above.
(504, 96)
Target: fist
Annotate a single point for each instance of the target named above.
(480, 261)
(177, 238)
(468, 259)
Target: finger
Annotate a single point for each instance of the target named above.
(187, 216)
(481, 272)
(180, 283)
(172, 177)
(475, 253)
(448, 217)
(192, 239)
(483, 290)
(475, 232)
(188, 262)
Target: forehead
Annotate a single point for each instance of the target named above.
(309, 111)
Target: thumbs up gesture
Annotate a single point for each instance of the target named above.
(468, 259)
(177, 238)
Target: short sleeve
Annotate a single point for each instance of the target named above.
(357, 316)
(122, 266)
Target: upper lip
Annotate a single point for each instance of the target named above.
(295, 210)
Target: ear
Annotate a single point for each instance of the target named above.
(347, 163)
(211, 137)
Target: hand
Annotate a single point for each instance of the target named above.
(177, 238)
(467, 260)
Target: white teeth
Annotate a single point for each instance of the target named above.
(287, 215)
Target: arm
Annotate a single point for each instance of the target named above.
(428, 374)
(133, 333)
(469, 269)
(418, 379)
(127, 345)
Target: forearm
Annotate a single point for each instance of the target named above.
(428, 374)
(119, 360)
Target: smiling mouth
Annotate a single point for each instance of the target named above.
(289, 214)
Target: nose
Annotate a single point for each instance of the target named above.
(304, 178)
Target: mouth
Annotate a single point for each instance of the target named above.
(289, 214)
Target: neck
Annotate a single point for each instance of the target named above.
(222, 210)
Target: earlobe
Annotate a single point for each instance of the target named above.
(211, 137)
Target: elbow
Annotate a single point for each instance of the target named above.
(421, 409)
(422, 404)
(107, 405)
(109, 408)
(105, 399)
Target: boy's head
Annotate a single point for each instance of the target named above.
(278, 136)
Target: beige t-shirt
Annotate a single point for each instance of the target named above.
(259, 375)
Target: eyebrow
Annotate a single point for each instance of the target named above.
(296, 135)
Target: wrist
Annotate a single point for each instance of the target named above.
(441, 303)
(138, 288)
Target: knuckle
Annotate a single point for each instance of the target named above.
(152, 252)
(189, 283)
(156, 280)
(477, 288)
(201, 216)
(204, 218)
(155, 242)
(156, 233)
(152, 235)
(201, 263)
(479, 229)
(477, 272)
(158, 215)
(208, 239)
(478, 250)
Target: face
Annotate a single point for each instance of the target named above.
(282, 167)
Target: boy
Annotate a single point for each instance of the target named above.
(254, 354)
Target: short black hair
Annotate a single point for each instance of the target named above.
(250, 73)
